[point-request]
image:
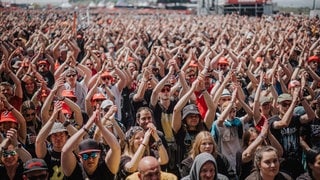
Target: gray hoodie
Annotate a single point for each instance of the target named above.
(199, 161)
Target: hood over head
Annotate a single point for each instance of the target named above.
(199, 161)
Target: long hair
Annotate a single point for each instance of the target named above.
(195, 150)
(130, 136)
(246, 136)
(27, 105)
(258, 155)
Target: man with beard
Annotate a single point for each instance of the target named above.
(43, 69)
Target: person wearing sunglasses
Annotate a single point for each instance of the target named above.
(35, 169)
(46, 71)
(13, 155)
(286, 128)
(34, 125)
(91, 165)
(162, 104)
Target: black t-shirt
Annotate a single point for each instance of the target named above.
(289, 138)
(49, 78)
(102, 172)
(18, 175)
(163, 119)
(311, 132)
(184, 140)
(53, 160)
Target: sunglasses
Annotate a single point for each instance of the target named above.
(73, 75)
(6, 154)
(285, 104)
(89, 64)
(86, 156)
(165, 89)
(42, 65)
(32, 114)
(98, 100)
(39, 177)
(105, 78)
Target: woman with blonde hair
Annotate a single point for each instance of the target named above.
(204, 142)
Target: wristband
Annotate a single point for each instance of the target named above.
(158, 143)
(85, 130)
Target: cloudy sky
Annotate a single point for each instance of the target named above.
(290, 3)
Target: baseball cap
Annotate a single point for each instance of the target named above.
(68, 93)
(89, 145)
(223, 60)
(34, 164)
(43, 62)
(106, 103)
(106, 74)
(71, 71)
(98, 96)
(284, 97)
(265, 99)
(313, 58)
(65, 108)
(7, 116)
(57, 127)
(190, 109)
(225, 93)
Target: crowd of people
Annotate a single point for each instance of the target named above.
(172, 96)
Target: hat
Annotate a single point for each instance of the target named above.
(313, 58)
(98, 96)
(265, 99)
(106, 74)
(293, 83)
(34, 164)
(43, 62)
(7, 116)
(225, 93)
(68, 93)
(106, 103)
(299, 111)
(110, 45)
(57, 127)
(223, 60)
(259, 59)
(65, 108)
(284, 97)
(89, 145)
(71, 71)
(189, 109)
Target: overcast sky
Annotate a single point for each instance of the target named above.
(290, 3)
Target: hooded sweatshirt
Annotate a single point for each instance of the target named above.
(199, 161)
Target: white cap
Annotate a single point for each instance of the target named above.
(225, 93)
(106, 103)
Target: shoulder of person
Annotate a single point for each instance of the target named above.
(222, 177)
(186, 178)
(284, 176)
(168, 176)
